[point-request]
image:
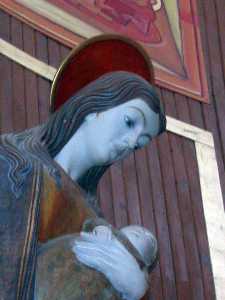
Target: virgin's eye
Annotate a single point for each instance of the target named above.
(129, 122)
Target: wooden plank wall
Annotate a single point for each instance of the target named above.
(158, 186)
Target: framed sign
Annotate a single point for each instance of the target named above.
(168, 30)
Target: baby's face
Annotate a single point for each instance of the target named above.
(143, 240)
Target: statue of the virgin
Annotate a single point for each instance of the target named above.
(103, 106)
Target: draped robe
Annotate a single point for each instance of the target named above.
(61, 276)
(32, 184)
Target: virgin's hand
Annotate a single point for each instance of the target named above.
(101, 251)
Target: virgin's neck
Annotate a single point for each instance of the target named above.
(74, 157)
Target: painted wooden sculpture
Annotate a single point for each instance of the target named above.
(49, 173)
(99, 263)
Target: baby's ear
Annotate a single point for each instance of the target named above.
(90, 224)
(104, 233)
(90, 117)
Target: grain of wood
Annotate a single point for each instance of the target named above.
(27, 60)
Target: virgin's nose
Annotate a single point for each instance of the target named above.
(132, 141)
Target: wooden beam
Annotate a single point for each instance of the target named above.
(212, 201)
(27, 60)
(189, 131)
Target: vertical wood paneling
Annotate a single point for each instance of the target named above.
(196, 205)
(196, 114)
(211, 122)
(43, 85)
(31, 92)
(119, 197)
(211, 25)
(64, 51)
(5, 21)
(215, 54)
(174, 220)
(147, 213)
(19, 105)
(130, 182)
(6, 124)
(219, 5)
(106, 200)
(198, 218)
(158, 186)
(54, 53)
(166, 261)
(186, 208)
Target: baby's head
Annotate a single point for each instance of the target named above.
(117, 254)
(140, 237)
(144, 242)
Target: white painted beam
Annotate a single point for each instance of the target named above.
(27, 60)
(214, 213)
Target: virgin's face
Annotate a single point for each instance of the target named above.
(115, 133)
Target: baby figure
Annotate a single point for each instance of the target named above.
(99, 263)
